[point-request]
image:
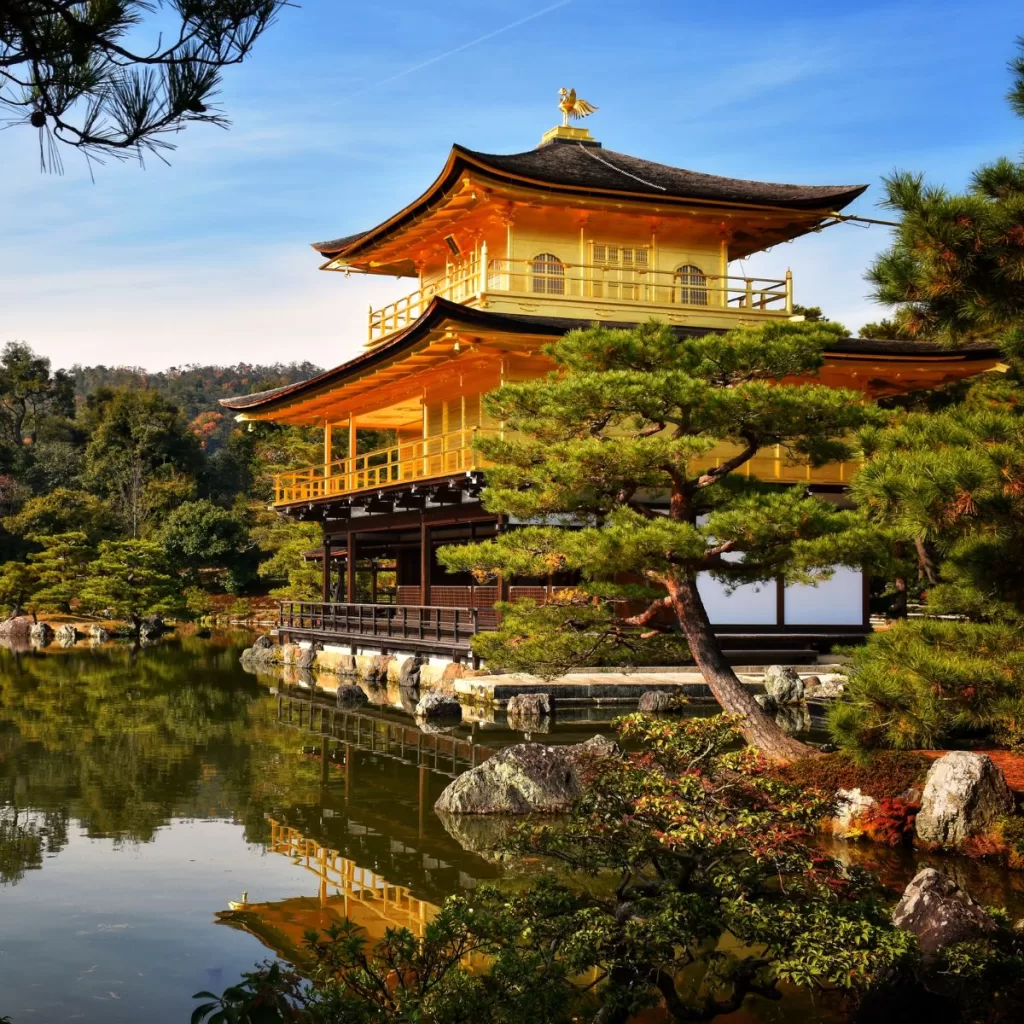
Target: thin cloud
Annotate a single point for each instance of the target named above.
(458, 49)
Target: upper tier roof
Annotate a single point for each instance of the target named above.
(587, 169)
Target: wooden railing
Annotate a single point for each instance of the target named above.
(408, 461)
(600, 283)
(447, 628)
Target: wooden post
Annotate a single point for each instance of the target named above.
(350, 569)
(351, 452)
(426, 560)
(780, 601)
(327, 570)
(483, 268)
(328, 456)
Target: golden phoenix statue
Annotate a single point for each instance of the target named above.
(572, 107)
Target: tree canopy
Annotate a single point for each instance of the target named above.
(84, 75)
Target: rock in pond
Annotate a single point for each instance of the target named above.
(377, 673)
(16, 628)
(99, 635)
(964, 793)
(939, 912)
(409, 673)
(766, 701)
(793, 718)
(307, 659)
(66, 635)
(783, 684)
(350, 696)
(438, 705)
(41, 634)
(263, 643)
(653, 701)
(529, 705)
(528, 778)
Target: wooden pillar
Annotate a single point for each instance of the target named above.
(373, 581)
(327, 570)
(426, 560)
(352, 448)
(780, 601)
(350, 569)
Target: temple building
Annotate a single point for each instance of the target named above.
(505, 254)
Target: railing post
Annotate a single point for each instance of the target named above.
(482, 286)
(789, 292)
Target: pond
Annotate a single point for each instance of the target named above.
(167, 820)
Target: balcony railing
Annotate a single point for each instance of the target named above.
(406, 462)
(599, 284)
(429, 458)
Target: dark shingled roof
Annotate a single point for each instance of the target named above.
(592, 169)
(441, 310)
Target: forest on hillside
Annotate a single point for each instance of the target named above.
(125, 492)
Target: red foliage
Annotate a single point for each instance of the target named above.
(890, 821)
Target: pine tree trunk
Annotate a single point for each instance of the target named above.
(758, 728)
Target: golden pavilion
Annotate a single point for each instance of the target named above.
(506, 252)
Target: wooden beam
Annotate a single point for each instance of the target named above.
(350, 569)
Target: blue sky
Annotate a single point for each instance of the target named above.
(347, 112)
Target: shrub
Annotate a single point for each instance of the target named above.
(882, 774)
(890, 821)
(922, 682)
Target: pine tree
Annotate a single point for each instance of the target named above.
(60, 568)
(129, 579)
(630, 414)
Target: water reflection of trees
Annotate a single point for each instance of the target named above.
(120, 741)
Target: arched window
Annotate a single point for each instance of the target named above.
(548, 274)
(691, 285)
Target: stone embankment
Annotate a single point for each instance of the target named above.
(22, 631)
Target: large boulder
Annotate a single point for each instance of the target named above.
(98, 634)
(307, 658)
(939, 912)
(349, 696)
(66, 635)
(529, 705)
(653, 701)
(964, 793)
(16, 628)
(524, 779)
(438, 705)
(793, 718)
(347, 665)
(263, 643)
(783, 684)
(41, 634)
(377, 673)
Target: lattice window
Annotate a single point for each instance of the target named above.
(548, 274)
(692, 285)
(629, 257)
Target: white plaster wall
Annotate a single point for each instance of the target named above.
(753, 604)
(838, 601)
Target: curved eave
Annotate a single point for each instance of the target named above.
(461, 159)
(442, 312)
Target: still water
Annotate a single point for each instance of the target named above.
(168, 820)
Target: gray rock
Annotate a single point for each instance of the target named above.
(409, 674)
(939, 912)
(654, 701)
(830, 686)
(41, 634)
(526, 778)
(963, 794)
(523, 779)
(262, 643)
(66, 635)
(17, 627)
(98, 634)
(811, 683)
(438, 705)
(350, 696)
(347, 665)
(150, 631)
(784, 684)
(529, 705)
(485, 834)
(767, 701)
(438, 725)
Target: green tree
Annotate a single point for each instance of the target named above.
(81, 73)
(888, 330)
(60, 568)
(199, 535)
(629, 413)
(29, 392)
(18, 583)
(142, 456)
(63, 510)
(130, 579)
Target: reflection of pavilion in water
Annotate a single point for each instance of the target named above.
(345, 890)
